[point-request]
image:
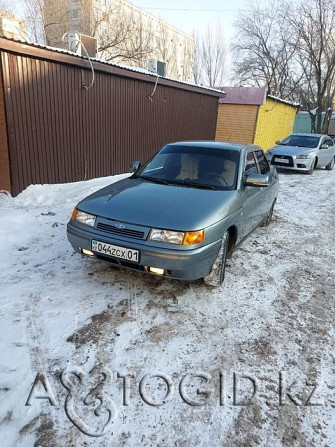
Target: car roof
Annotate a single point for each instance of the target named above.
(213, 144)
(310, 134)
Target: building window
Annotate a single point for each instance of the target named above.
(74, 14)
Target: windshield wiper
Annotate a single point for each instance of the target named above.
(152, 179)
(187, 183)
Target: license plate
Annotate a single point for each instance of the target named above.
(282, 160)
(116, 251)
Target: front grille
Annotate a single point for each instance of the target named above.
(120, 231)
(277, 162)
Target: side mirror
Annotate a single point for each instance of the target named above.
(277, 142)
(135, 165)
(257, 180)
(324, 146)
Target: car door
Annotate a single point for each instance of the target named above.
(266, 192)
(251, 196)
(331, 150)
(325, 155)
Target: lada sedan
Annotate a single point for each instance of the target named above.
(303, 152)
(182, 213)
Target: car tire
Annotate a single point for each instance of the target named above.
(217, 273)
(331, 164)
(313, 166)
(268, 218)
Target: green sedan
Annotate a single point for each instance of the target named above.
(182, 213)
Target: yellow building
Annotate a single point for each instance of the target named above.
(249, 115)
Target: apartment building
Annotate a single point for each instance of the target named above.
(125, 34)
(12, 27)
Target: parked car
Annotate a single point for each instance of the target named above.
(303, 152)
(182, 213)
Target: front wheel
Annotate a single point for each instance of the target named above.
(313, 166)
(217, 273)
(268, 218)
(331, 164)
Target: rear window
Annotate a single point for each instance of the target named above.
(262, 162)
(250, 164)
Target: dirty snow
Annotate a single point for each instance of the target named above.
(268, 332)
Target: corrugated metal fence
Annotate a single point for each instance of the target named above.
(57, 131)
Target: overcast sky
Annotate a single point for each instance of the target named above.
(189, 15)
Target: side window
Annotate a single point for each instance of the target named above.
(250, 164)
(262, 162)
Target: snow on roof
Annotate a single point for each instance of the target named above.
(250, 96)
(290, 103)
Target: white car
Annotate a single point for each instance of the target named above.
(303, 152)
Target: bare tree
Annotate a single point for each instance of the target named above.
(35, 21)
(213, 55)
(187, 61)
(314, 22)
(5, 6)
(39, 22)
(166, 48)
(122, 34)
(264, 48)
(197, 60)
(290, 47)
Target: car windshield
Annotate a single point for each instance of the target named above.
(309, 141)
(195, 167)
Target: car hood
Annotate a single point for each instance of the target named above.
(291, 150)
(164, 206)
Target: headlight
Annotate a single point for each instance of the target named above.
(83, 218)
(177, 237)
(302, 157)
(173, 237)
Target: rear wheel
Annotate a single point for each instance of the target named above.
(216, 275)
(268, 218)
(331, 164)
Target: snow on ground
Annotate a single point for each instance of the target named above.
(267, 333)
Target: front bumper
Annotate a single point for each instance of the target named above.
(290, 162)
(184, 264)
